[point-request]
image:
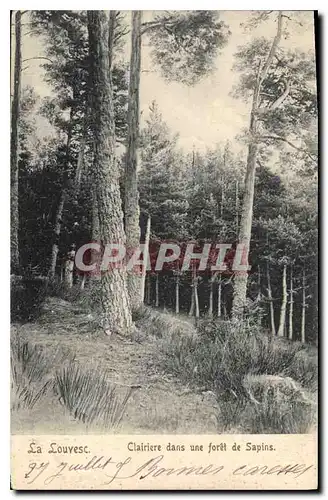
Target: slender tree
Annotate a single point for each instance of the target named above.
(291, 305)
(282, 319)
(14, 152)
(157, 290)
(145, 259)
(303, 337)
(282, 105)
(219, 313)
(240, 285)
(131, 204)
(61, 204)
(270, 299)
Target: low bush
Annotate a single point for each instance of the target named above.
(163, 325)
(277, 405)
(221, 359)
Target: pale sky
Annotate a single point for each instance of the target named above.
(205, 114)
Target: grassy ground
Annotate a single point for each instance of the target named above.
(160, 404)
(175, 373)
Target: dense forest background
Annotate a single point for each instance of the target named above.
(195, 195)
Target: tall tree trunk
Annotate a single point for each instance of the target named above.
(273, 328)
(177, 294)
(303, 339)
(111, 37)
(56, 234)
(291, 305)
(113, 289)
(157, 291)
(283, 303)
(132, 228)
(210, 306)
(61, 204)
(240, 282)
(145, 260)
(80, 158)
(219, 296)
(14, 152)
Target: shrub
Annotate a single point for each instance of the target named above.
(304, 369)
(224, 355)
(90, 398)
(160, 324)
(277, 405)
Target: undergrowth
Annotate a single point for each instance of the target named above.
(85, 392)
(90, 397)
(222, 358)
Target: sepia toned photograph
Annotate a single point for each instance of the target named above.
(164, 238)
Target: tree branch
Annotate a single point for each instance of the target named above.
(147, 26)
(263, 71)
(282, 139)
(34, 58)
(283, 96)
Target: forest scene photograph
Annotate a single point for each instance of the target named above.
(164, 222)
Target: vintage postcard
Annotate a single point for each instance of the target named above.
(164, 247)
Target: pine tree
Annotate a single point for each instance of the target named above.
(114, 294)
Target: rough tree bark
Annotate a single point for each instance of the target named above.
(113, 286)
(282, 320)
(14, 153)
(240, 283)
(131, 205)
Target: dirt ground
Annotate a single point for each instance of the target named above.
(160, 404)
